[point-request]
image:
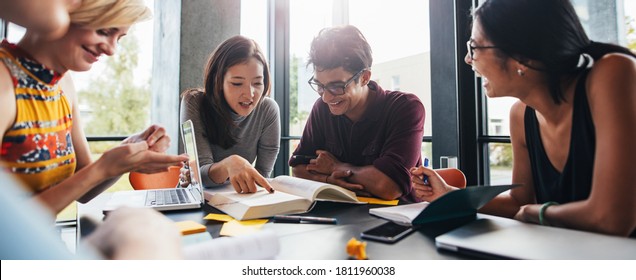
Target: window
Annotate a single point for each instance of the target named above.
(254, 22)
(398, 32)
(403, 66)
(395, 82)
(306, 19)
(114, 95)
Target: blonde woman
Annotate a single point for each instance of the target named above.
(43, 143)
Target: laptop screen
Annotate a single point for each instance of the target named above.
(187, 130)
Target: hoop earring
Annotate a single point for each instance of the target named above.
(520, 72)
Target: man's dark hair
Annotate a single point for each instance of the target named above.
(341, 46)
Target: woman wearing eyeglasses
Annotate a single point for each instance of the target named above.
(235, 122)
(572, 130)
(358, 135)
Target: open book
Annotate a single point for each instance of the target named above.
(293, 195)
(455, 204)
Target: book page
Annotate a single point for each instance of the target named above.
(297, 186)
(402, 214)
(313, 190)
(329, 193)
(261, 197)
(257, 205)
(261, 245)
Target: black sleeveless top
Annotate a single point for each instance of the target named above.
(575, 182)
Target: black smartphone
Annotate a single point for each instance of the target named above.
(388, 232)
(303, 159)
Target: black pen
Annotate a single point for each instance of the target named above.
(303, 219)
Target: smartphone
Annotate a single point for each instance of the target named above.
(303, 159)
(388, 232)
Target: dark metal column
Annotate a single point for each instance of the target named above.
(279, 63)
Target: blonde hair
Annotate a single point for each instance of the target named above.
(98, 14)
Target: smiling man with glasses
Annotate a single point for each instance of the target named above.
(358, 136)
(334, 89)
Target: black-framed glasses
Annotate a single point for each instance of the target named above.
(471, 48)
(334, 89)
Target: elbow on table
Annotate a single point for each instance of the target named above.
(619, 224)
(390, 191)
(390, 196)
(608, 221)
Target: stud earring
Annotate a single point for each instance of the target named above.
(520, 72)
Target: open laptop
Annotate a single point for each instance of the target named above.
(168, 199)
(501, 238)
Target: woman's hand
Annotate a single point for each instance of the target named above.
(434, 188)
(154, 135)
(136, 157)
(528, 213)
(244, 177)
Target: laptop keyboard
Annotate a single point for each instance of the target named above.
(167, 197)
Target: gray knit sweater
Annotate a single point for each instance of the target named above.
(257, 135)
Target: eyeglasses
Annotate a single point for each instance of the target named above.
(334, 89)
(471, 49)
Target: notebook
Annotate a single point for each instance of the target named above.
(496, 237)
(458, 204)
(167, 199)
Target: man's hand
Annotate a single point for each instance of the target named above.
(325, 163)
(339, 178)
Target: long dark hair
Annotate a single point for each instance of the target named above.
(215, 111)
(547, 31)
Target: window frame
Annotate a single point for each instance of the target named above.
(279, 57)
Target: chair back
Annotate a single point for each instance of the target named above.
(161, 180)
(453, 177)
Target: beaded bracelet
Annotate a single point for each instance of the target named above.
(542, 211)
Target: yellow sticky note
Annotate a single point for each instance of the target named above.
(190, 227)
(234, 227)
(218, 217)
(373, 200)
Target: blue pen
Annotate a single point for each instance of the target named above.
(425, 165)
